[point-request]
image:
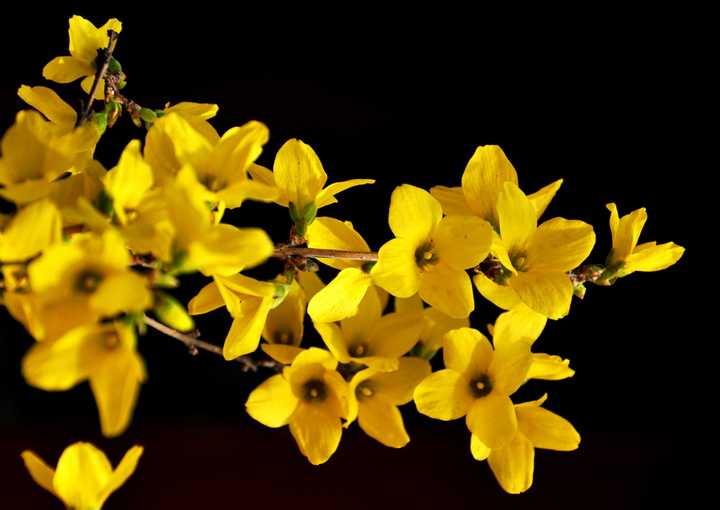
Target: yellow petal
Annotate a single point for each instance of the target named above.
(452, 200)
(128, 182)
(121, 292)
(517, 217)
(513, 465)
(284, 354)
(360, 326)
(447, 289)
(560, 245)
(549, 367)
(547, 293)
(510, 366)
(85, 39)
(82, 473)
(208, 299)
(122, 472)
(382, 421)
(410, 304)
(334, 340)
(299, 173)
(244, 335)
(341, 297)
(310, 283)
(87, 83)
(238, 148)
(327, 195)
(66, 69)
(116, 385)
(614, 221)
(478, 449)
(316, 432)
(467, 350)
(204, 111)
(31, 231)
(332, 234)
(627, 233)
(501, 296)
(492, 419)
(273, 402)
(462, 241)
(284, 323)
(652, 257)
(235, 194)
(227, 250)
(414, 214)
(520, 323)
(483, 180)
(394, 334)
(437, 324)
(444, 395)
(47, 102)
(396, 270)
(39, 471)
(542, 197)
(397, 387)
(546, 429)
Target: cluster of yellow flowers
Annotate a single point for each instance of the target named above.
(89, 251)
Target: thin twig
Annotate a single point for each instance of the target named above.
(193, 344)
(284, 252)
(99, 75)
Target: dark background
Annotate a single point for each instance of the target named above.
(400, 100)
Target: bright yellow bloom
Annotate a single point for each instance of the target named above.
(521, 324)
(202, 244)
(300, 179)
(284, 325)
(536, 258)
(35, 152)
(430, 254)
(435, 324)
(220, 163)
(33, 229)
(482, 182)
(84, 477)
(375, 395)
(84, 280)
(47, 102)
(513, 464)
(247, 300)
(371, 338)
(105, 355)
(85, 41)
(311, 397)
(627, 256)
(477, 383)
(196, 114)
(341, 297)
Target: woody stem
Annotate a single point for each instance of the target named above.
(284, 252)
(99, 75)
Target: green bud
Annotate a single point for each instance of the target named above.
(579, 290)
(114, 66)
(104, 203)
(180, 263)
(159, 113)
(281, 292)
(101, 121)
(294, 215)
(172, 313)
(148, 115)
(309, 213)
(166, 281)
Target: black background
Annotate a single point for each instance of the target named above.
(402, 99)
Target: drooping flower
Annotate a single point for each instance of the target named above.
(536, 258)
(85, 41)
(513, 464)
(375, 397)
(371, 338)
(284, 326)
(477, 383)
(310, 397)
(627, 256)
(430, 254)
(84, 477)
(103, 354)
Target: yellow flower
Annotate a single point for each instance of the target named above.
(341, 297)
(200, 243)
(477, 383)
(521, 324)
(371, 338)
(435, 324)
(284, 325)
(103, 354)
(33, 229)
(84, 477)
(536, 258)
(47, 102)
(374, 397)
(220, 163)
(482, 182)
(627, 256)
(247, 300)
(513, 464)
(430, 253)
(311, 397)
(35, 153)
(300, 179)
(196, 114)
(84, 280)
(85, 41)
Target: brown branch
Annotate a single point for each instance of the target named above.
(99, 75)
(193, 344)
(284, 252)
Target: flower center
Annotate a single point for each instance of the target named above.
(283, 337)
(519, 261)
(112, 340)
(425, 256)
(314, 391)
(358, 350)
(364, 390)
(88, 281)
(480, 386)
